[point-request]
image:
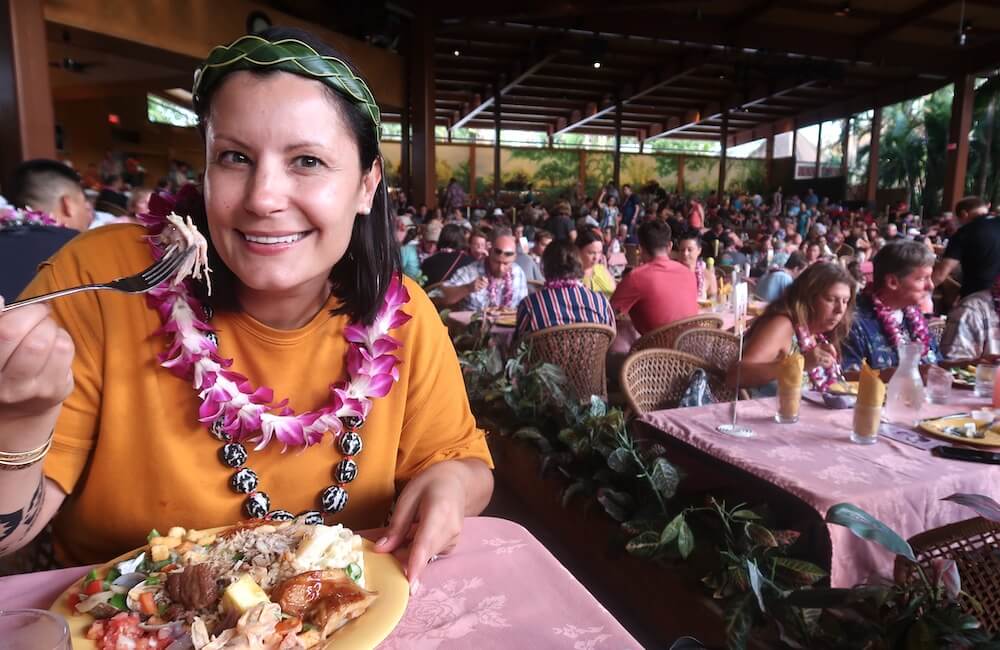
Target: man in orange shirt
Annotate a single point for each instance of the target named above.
(660, 291)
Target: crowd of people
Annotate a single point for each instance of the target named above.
(843, 285)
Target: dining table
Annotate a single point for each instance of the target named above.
(897, 479)
(499, 588)
(459, 321)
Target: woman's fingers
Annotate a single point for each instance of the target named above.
(399, 525)
(436, 532)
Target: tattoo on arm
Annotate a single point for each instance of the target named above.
(14, 525)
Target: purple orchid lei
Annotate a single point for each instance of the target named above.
(246, 413)
(501, 292)
(820, 377)
(914, 319)
(11, 216)
(563, 283)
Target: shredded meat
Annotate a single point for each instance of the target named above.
(194, 588)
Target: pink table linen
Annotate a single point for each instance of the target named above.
(500, 588)
(815, 461)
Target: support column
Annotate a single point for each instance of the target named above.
(722, 157)
(27, 121)
(819, 149)
(769, 164)
(957, 154)
(845, 142)
(472, 170)
(421, 60)
(405, 167)
(496, 144)
(871, 187)
(618, 145)
(795, 145)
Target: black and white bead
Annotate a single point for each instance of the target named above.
(333, 499)
(207, 311)
(345, 471)
(257, 505)
(280, 515)
(311, 517)
(352, 421)
(245, 481)
(213, 337)
(218, 431)
(350, 443)
(233, 454)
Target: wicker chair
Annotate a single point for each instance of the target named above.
(656, 379)
(666, 336)
(973, 544)
(716, 348)
(580, 350)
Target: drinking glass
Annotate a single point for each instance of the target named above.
(33, 629)
(867, 420)
(789, 399)
(938, 385)
(985, 374)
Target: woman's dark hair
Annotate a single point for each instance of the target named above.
(361, 278)
(560, 261)
(586, 237)
(452, 236)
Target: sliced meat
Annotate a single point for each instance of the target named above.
(194, 588)
(327, 599)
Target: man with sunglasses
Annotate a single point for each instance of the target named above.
(495, 282)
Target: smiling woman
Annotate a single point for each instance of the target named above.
(175, 397)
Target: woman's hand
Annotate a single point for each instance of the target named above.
(36, 358)
(430, 512)
(822, 355)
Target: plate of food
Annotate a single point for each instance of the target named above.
(844, 388)
(504, 317)
(253, 585)
(964, 377)
(964, 429)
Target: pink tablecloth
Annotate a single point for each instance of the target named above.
(500, 589)
(815, 460)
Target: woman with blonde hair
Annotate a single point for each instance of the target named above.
(813, 317)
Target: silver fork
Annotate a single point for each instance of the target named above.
(139, 283)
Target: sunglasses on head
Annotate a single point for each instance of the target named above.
(499, 252)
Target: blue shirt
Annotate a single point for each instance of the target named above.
(549, 307)
(867, 342)
(773, 285)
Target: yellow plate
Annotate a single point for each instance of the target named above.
(844, 388)
(383, 574)
(937, 428)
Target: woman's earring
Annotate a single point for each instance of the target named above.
(365, 211)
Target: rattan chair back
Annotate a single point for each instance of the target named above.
(580, 350)
(657, 379)
(666, 337)
(974, 545)
(716, 348)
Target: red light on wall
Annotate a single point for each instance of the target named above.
(113, 118)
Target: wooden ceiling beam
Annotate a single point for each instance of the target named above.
(520, 71)
(884, 96)
(647, 85)
(896, 22)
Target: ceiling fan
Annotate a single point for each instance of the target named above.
(72, 65)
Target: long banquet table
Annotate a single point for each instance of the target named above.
(500, 588)
(815, 461)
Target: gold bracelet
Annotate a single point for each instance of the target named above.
(24, 459)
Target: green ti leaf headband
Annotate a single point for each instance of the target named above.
(289, 55)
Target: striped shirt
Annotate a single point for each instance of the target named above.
(551, 306)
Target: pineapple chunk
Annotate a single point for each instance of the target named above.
(243, 595)
(159, 553)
